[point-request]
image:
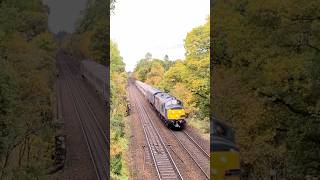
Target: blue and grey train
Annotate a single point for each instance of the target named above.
(169, 108)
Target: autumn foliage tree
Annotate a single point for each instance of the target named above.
(26, 90)
(118, 80)
(91, 38)
(186, 79)
(266, 83)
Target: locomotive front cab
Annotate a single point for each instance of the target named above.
(175, 113)
(225, 161)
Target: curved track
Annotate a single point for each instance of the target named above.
(162, 160)
(184, 146)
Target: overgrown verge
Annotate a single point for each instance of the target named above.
(119, 140)
(27, 53)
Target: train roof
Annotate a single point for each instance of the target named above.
(149, 88)
(218, 143)
(221, 129)
(95, 68)
(164, 96)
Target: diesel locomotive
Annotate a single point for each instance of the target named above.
(96, 75)
(169, 108)
(225, 161)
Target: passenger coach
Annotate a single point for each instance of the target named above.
(96, 75)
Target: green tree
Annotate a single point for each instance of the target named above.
(26, 90)
(265, 83)
(186, 79)
(118, 79)
(155, 76)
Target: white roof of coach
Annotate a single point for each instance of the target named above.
(147, 87)
(96, 69)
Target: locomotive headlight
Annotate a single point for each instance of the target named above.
(223, 159)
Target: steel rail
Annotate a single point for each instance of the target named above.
(149, 145)
(189, 153)
(95, 120)
(204, 152)
(94, 163)
(144, 115)
(84, 99)
(96, 141)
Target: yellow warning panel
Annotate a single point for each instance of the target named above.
(176, 114)
(225, 165)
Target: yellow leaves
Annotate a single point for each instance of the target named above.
(197, 42)
(155, 76)
(32, 65)
(180, 91)
(155, 80)
(45, 41)
(118, 146)
(116, 63)
(18, 45)
(85, 43)
(118, 78)
(188, 80)
(156, 73)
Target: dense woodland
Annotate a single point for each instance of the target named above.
(26, 89)
(187, 79)
(266, 81)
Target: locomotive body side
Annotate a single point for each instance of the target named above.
(148, 91)
(170, 109)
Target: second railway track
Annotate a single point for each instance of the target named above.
(200, 157)
(186, 144)
(162, 160)
(95, 138)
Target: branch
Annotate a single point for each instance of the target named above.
(313, 47)
(284, 103)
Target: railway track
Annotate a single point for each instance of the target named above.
(196, 153)
(90, 108)
(194, 150)
(162, 160)
(94, 136)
